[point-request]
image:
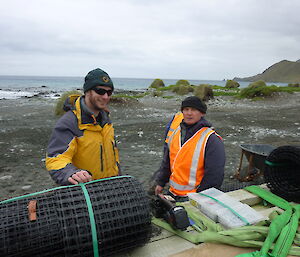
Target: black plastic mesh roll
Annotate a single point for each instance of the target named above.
(63, 228)
(282, 172)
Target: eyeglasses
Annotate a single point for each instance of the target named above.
(101, 91)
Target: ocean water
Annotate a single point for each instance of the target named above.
(67, 83)
(15, 87)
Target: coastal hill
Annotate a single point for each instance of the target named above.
(283, 71)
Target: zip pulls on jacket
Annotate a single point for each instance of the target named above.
(101, 158)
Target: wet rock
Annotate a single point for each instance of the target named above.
(6, 177)
(26, 187)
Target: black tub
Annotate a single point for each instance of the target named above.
(258, 152)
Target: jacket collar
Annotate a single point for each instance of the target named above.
(88, 117)
(187, 131)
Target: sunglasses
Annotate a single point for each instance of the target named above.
(101, 91)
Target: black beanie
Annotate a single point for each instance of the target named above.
(95, 78)
(195, 102)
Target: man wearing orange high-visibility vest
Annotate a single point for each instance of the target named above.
(194, 155)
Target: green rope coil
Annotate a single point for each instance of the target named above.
(275, 164)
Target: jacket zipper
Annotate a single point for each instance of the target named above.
(101, 158)
(113, 146)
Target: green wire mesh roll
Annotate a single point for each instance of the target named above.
(59, 224)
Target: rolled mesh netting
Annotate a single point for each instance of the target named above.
(282, 172)
(98, 218)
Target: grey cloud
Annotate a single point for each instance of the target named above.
(209, 39)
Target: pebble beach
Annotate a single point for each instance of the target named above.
(26, 123)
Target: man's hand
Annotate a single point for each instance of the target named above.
(158, 189)
(80, 177)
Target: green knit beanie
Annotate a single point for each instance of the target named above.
(95, 78)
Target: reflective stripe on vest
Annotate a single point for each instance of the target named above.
(175, 123)
(172, 135)
(192, 180)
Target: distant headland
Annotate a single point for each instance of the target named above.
(284, 71)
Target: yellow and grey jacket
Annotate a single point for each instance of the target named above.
(81, 141)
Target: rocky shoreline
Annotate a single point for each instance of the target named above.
(26, 124)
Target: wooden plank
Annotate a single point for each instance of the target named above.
(161, 248)
(214, 250)
(246, 197)
(266, 211)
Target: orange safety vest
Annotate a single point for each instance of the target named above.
(178, 117)
(187, 160)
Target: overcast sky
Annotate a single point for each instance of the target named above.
(180, 39)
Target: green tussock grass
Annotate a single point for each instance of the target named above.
(168, 88)
(61, 100)
(182, 82)
(157, 83)
(290, 89)
(130, 96)
(182, 89)
(226, 93)
(258, 91)
(232, 84)
(217, 87)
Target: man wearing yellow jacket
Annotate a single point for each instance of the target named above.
(194, 155)
(82, 146)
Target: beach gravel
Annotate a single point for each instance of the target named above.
(26, 125)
